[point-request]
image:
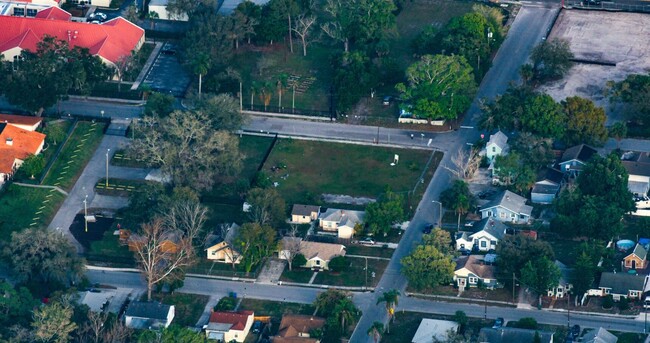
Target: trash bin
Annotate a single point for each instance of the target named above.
(233, 295)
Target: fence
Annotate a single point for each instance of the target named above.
(46, 170)
(609, 6)
(286, 110)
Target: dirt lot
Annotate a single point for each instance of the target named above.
(620, 38)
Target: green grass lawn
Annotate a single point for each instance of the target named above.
(25, 207)
(406, 324)
(109, 250)
(355, 275)
(368, 251)
(322, 167)
(207, 267)
(121, 159)
(299, 275)
(74, 156)
(275, 310)
(189, 307)
(118, 187)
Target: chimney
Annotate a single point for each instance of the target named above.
(9, 141)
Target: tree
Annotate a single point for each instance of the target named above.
(464, 163)
(326, 301)
(513, 171)
(535, 152)
(391, 299)
(460, 317)
(247, 17)
(526, 323)
(375, 331)
(582, 276)
(131, 14)
(187, 149)
(123, 66)
(159, 104)
(540, 274)
(513, 252)
(158, 261)
(345, 312)
(291, 246)
(439, 87)
(284, 9)
(458, 198)
(178, 9)
(188, 217)
(54, 133)
(585, 122)
(93, 328)
(439, 239)
(634, 93)
(618, 131)
(300, 260)
(200, 64)
(267, 206)
(254, 242)
(543, 116)
(427, 267)
(208, 39)
(33, 165)
(355, 75)
(339, 264)
(222, 109)
(551, 59)
(43, 256)
(53, 323)
(179, 334)
(623, 304)
(303, 28)
(381, 215)
(16, 305)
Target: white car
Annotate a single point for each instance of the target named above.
(98, 16)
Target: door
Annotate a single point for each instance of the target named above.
(633, 264)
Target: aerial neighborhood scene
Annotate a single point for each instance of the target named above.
(416, 171)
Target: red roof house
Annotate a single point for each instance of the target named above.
(54, 13)
(110, 40)
(28, 123)
(15, 145)
(229, 326)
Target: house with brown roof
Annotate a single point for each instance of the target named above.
(16, 144)
(472, 270)
(229, 326)
(304, 214)
(298, 328)
(318, 254)
(29, 123)
(637, 259)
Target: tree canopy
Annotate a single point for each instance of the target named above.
(540, 274)
(513, 252)
(381, 215)
(427, 267)
(458, 198)
(255, 242)
(551, 59)
(634, 93)
(585, 122)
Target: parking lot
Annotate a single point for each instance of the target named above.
(601, 37)
(166, 74)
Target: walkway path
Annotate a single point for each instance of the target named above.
(147, 65)
(41, 186)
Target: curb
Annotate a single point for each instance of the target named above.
(109, 100)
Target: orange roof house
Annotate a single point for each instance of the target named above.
(109, 40)
(16, 144)
(296, 328)
(28, 123)
(229, 326)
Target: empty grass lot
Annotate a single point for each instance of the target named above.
(368, 251)
(189, 307)
(109, 250)
(25, 207)
(299, 275)
(74, 156)
(355, 275)
(314, 168)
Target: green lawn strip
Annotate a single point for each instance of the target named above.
(299, 275)
(19, 207)
(80, 158)
(108, 250)
(406, 324)
(275, 310)
(207, 267)
(121, 159)
(314, 168)
(119, 187)
(188, 307)
(368, 251)
(355, 275)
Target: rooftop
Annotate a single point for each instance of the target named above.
(149, 310)
(20, 120)
(499, 139)
(510, 335)
(580, 152)
(304, 210)
(236, 320)
(621, 283)
(599, 335)
(23, 144)
(511, 201)
(292, 325)
(493, 227)
(323, 251)
(476, 265)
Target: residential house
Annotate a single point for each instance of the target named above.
(169, 243)
(318, 254)
(296, 328)
(637, 165)
(564, 285)
(434, 330)
(148, 315)
(508, 207)
(497, 145)
(575, 158)
(510, 335)
(221, 249)
(621, 285)
(463, 242)
(229, 326)
(304, 214)
(27, 8)
(472, 270)
(110, 40)
(489, 233)
(546, 189)
(340, 222)
(16, 144)
(637, 258)
(599, 335)
(28, 123)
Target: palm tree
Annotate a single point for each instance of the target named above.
(391, 298)
(345, 312)
(201, 64)
(376, 330)
(281, 85)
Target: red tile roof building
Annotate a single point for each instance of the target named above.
(15, 145)
(229, 326)
(110, 40)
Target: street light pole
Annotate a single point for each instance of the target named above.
(102, 112)
(86, 213)
(366, 274)
(439, 212)
(107, 152)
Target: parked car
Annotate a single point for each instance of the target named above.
(386, 100)
(465, 252)
(99, 16)
(257, 327)
(498, 323)
(367, 241)
(427, 228)
(575, 331)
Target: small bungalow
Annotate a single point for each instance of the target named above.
(599, 335)
(508, 207)
(510, 335)
(472, 270)
(637, 165)
(497, 145)
(318, 254)
(575, 158)
(169, 243)
(546, 189)
(340, 222)
(564, 285)
(229, 326)
(434, 330)
(148, 315)
(298, 328)
(636, 259)
(304, 214)
(220, 249)
(621, 285)
(489, 233)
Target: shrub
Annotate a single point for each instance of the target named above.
(608, 302)
(623, 304)
(299, 260)
(226, 304)
(339, 264)
(526, 323)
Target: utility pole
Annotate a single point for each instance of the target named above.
(86, 213)
(513, 288)
(108, 151)
(568, 311)
(366, 274)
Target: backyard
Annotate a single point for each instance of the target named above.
(188, 307)
(25, 207)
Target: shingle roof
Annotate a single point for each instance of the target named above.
(599, 335)
(152, 310)
(510, 335)
(24, 143)
(499, 139)
(639, 251)
(304, 210)
(343, 217)
(474, 263)
(510, 201)
(621, 283)
(545, 189)
(580, 152)
(323, 251)
(236, 319)
(636, 168)
(294, 324)
(493, 227)
(553, 175)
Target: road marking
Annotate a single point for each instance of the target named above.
(32, 224)
(470, 144)
(429, 143)
(42, 207)
(467, 127)
(39, 212)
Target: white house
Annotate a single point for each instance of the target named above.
(304, 214)
(497, 145)
(546, 189)
(508, 207)
(621, 285)
(148, 315)
(599, 335)
(341, 222)
(470, 270)
(491, 232)
(564, 285)
(434, 330)
(637, 165)
(318, 254)
(229, 326)
(575, 158)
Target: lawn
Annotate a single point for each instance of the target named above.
(121, 159)
(207, 267)
(119, 187)
(299, 275)
(355, 275)
(368, 251)
(188, 307)
(108, 250)
(308, 168)
(24, 207)
(275, 310)
(74, 156)
(406, 324)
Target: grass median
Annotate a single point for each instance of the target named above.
(27, 207)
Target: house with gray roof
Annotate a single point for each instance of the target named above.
(510, 335)
(564, 285)
(637, 259)
(575, 158)
(340, 222)
(148, 315)
(508, 207)
(472, 270)
(304, 214)
(548, 186)
(599, 335)
(637, 165)
(497, 145)
(486, 237)
(621, 285)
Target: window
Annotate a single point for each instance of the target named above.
(318, 262)
(19, 11)
(513, 216)
(633, 293)
(483, 244)
(473, 280)
(31, 12)
(493, 242)
(521, 216)
(489, 213)
(494, 149)
(502, 215)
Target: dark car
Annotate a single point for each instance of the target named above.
(386, 100)
(575, 331)
(257, 327)
(427, 228)
(498, 323)
(465, 252)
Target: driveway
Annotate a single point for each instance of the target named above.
(167, 75)
(271, 271)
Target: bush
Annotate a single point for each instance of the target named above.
(339, 264)
(526, 323)
(299, 260)
(226, 304)
(623, 304)
(608, 302)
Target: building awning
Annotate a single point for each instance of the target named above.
(638, 187)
